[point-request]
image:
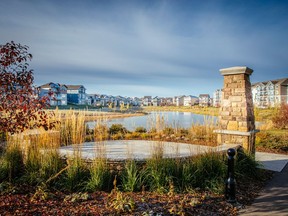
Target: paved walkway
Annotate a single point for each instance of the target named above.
(274, 198)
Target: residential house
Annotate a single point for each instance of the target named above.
(217, 98)
(156, 101)
(190, 100)
(270, 93)
(56, 93)
(147, 101)
(76, 94)
(179, 100)
(204, 100)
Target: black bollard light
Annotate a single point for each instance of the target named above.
(230, 187)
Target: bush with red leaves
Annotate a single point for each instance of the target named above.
(280, 120)
(19, 108)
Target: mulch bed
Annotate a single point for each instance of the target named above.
(22, 201)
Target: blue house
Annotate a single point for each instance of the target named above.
(76, 94)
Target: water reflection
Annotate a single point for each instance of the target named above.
(171, 119)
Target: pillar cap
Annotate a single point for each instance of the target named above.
(236, 70)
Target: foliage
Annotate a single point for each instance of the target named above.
(11, 163)
(280, 120)
(272, 141)
(209, 171)
(76, 174)
(19, 109)
(117, 128)
(246, 165)
(132, 177)
(140, 130)
(120, 202)
(99, 175)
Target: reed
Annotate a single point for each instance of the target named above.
(11, 162)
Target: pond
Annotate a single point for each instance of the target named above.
(171, 119)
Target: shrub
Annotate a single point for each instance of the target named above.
(117, 128)
(168, 130)
(140, 130)
(280, 120)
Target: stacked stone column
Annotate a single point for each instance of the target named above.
(236, 117)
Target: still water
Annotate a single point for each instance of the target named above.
(172, 119)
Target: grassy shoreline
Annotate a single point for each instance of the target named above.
(260, 114)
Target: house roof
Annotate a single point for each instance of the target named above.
(74, 87)
(47, 85)
(204, 95)
(276, 81)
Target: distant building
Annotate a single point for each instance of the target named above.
(217, 98)
(270, 93)
(56, 93)
(204, 100)
(190, 100)
(76, 94)
(147, 101)
(156, 101)
(179, 100)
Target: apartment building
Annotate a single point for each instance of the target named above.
(270, 93)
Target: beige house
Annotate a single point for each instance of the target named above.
(270, 93)
(204, 100)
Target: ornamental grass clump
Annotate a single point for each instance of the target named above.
(11, 163)
(100, 176)
(76, 174)
(132, 177)
(209, 171)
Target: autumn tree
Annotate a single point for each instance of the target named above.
(20, 109)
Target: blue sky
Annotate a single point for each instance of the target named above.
(149, 47)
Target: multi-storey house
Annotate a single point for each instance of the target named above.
(190, 100)
(147, 101)
(217, 98)
(179, 100)
(156, 101)
(204, 100)
(56, 93)
(76, 94)
(270, 93)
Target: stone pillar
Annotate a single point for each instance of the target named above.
(236, 117)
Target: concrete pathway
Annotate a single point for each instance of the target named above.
(274, 198)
